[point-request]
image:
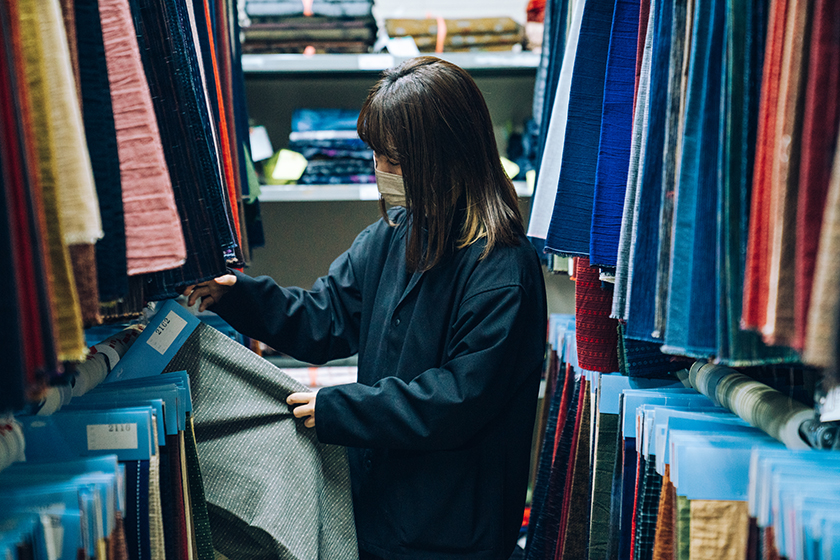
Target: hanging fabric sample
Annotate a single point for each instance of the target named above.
(182, 111)
(576, 182)
(595, 332)
(615, 136)
(545, 191)
(154, 239)
(821, 121)
(691, 321)
(101, 136)
(239, 406)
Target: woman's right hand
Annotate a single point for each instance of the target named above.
(209, 292)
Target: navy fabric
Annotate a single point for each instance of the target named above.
(101, 136)
(186, 131)
(616, 135)
(692, 321)
(641, 303)
(568, 233)
(137, 537)
(627, 495)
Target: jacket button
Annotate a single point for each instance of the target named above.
(397, 322)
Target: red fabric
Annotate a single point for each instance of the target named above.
(568, 387)
(223, 131)
(819, 135)
(634, 523)
(535, 11)
(570, 474)
(644, 13)
(596, 334)
(36, 321)
(756, 278)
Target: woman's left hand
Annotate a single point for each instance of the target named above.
(305, 407)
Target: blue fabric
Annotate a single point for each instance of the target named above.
(692, 315)
(641, 303)
(616, 135)
(568, 232)
(628, 494)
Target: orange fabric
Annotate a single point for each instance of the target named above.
(441, 34)
(223, 130)
(757, 274)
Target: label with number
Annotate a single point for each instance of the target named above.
(111, 436)
(166, 332)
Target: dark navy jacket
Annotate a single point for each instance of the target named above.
(439, 424)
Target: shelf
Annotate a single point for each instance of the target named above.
(324, 193)
(300, 63)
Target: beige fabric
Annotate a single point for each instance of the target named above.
(719, 530)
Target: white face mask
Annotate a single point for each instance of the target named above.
(391, 187)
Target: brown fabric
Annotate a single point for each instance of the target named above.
(397, 27)
(68, 13)
(779, 325)
(117, 549)
(83, 258)
(719, 530)
(665, 544)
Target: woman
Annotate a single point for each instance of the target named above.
(443, 299)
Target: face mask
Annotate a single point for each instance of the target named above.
(391, 187)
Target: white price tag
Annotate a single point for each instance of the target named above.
(375, 61)
(111, 436)
(165, 333)
(368, 192)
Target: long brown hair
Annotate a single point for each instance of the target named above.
(429, 116)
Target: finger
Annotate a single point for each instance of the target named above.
(309, 422)
(298, 398)
(226, 280)
(206, 302)
(188, 290)
(303, 410)
(195, 294)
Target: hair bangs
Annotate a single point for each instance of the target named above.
(373, 129)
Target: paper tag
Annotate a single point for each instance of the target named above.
(111, 436)
(830, 406)
(402, 46)
(167, 331)
(368, 192)
(375, 61)
(260, 144)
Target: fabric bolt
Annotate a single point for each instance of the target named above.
(616, 495)
(679, 64)
(641, 299)
(137, 510)
(153, 236)
(576, 532)
(68, 17)
(542, 541)
(156, 536)
(545, 191)
(648, 511)
(623, 274)
(67, 320)
(615, 136)
(568, 233)
(117, 548)
(24, 247)
(737, 347)
(634, 517)
(644, 21)
(13, 375)
(317, 7)
(627, 496)
(172, 500)
(691, 321)
(603, 467)
(562, 472)
(198, 502)
(682, 534)
(718, 530)
(757, 272)
(821, 120)
(663, 548)
(75, 191)
(101, 136)
(779, 325)
(182, 112)
(595, 333)
(239, 406)
(535, 545)
(83, 261)
(639, 358)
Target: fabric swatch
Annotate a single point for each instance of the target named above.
(595, 333)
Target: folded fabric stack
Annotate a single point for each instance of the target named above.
(475, 34)
(328, 26)
(328, 139)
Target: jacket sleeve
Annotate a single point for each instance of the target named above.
(496, 352)
(314, 325)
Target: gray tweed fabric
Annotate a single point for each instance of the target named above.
(273, 491)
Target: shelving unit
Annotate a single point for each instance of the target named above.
(313, 193)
